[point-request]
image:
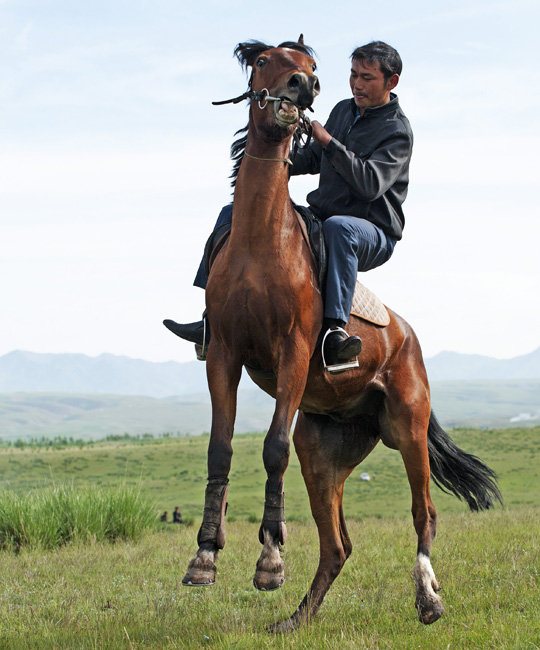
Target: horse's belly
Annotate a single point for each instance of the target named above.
(341, 400)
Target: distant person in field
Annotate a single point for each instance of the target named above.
(164, 517)
(177, 516)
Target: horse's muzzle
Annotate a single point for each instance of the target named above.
(303, 89)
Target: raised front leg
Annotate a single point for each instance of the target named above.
(291, 381)
(223, 377)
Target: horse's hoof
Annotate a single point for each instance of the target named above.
(429, 609)
(289, 625)
(270, 569)
(188, 581)
(201, 572)
(264, 581)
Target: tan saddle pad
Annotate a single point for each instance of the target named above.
(366, 305)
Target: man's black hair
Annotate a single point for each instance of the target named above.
(388, 58)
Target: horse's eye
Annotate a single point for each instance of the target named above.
(314, 67)
(261, 62)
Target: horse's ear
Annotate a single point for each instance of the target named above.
(301, 39)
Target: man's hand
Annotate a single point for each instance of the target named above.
(320, 134)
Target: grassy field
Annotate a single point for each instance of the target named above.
(173, 472)
(129, 595)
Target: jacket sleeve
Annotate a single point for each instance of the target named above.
(372, 175)
(307, 160)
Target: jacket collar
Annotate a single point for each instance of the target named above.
(377, 111)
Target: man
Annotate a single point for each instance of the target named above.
(362, 155)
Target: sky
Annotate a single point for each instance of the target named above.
(114, 164)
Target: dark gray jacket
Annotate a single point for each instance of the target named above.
(364, 169)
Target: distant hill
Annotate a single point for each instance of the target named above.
(90, 397)
(494, 404)
(33, 415)
(109, 374)
(106, 374)
(452, 365)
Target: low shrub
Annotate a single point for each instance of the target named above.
(54, 516)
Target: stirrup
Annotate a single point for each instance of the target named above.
(337, 367)
(202, 350)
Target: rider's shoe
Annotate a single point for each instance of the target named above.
(194, 332)
(340, 348)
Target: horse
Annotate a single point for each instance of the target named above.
(265, 313)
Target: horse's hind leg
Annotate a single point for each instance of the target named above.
(328, 452)
(223, 377)
(407, 416)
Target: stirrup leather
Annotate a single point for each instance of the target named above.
(201, 350)
(337, 367)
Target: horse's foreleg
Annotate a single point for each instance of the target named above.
(223, 377)
(408, 428)
(291, 381)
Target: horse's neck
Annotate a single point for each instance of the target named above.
(262, 205)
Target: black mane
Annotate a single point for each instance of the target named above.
(238, 148)
(247, 54)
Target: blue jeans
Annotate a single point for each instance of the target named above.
(225, 217)
(353, 245)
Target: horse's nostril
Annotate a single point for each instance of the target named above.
(294, 82)
(317, 86)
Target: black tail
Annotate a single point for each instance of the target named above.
(462, 474)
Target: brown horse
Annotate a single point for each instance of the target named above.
(265, 313)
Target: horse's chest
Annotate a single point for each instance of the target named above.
(272, 289)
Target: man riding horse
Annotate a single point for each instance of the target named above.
(265, 308)
(362, 155)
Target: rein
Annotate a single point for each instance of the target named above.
(257, 95)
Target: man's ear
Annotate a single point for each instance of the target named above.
(392, 82)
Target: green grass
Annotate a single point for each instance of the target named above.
(91, 594)
(129, 595)
(54, 516)
(172, 472)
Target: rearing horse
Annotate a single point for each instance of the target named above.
(265, 312)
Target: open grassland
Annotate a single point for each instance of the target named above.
(172, 472)
(129, 595)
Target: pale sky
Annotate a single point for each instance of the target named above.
(114, 164)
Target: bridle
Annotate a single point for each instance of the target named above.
(303, 128)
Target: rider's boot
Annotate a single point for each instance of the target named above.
(339, 347)
(197, 332)
(194, 332)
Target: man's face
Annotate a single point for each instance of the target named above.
(368, 85)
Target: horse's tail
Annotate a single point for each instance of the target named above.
(462, 474)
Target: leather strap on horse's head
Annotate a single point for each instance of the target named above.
(257, 95)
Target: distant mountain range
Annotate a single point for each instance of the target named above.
(83, 397)
(109, 374)
(453, 365)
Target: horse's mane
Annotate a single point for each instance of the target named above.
(247, 53)
(238, 148)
